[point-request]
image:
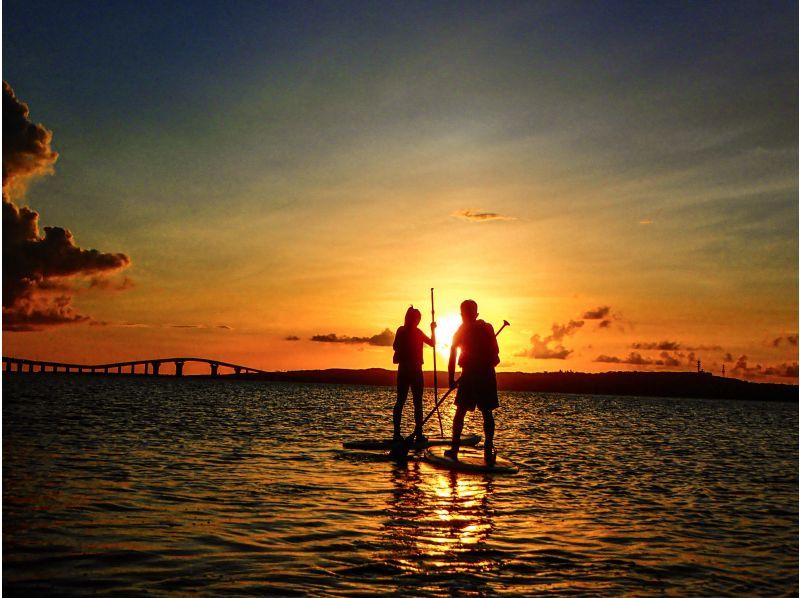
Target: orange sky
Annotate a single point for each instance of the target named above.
(623, 203)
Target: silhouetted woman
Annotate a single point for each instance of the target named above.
(408, 356)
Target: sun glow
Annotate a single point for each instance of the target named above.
(446, 327)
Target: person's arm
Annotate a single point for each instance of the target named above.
(451, 364)
(425, 339)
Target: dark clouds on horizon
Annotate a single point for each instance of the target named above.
(634, 358)
(672, 346)
(382, 339)
(38, 270)
(788, 339)
(782, 370)
(540, 345)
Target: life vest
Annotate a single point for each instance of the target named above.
(479, 348)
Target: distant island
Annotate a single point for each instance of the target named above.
(660, 384)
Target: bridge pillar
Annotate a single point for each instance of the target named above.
(133, 368)
(179, 368)
(30, 367)
(156, 367)
(119, 369)
(237, 370)
(105, 370)
(214, 369)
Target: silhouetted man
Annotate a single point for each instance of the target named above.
(479, 354)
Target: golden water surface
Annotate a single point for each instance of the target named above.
(166, 487)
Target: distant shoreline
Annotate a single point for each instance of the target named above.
(700, 385)
(661, 384)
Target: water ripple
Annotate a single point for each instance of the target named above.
(199, 486)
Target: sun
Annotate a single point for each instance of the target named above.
(446, 327)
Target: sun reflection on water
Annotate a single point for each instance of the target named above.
(439, 521)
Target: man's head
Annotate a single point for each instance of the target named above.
(469, 311)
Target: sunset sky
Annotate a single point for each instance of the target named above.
(273, 184)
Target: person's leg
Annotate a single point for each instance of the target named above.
(488, 431)
(458, 426)
(402, 395)
(416, 393)
(488, 427)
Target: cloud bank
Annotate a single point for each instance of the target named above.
(782, 370)
(541, 345)
(382, 339)
(38, 269)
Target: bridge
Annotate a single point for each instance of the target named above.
(142, 367)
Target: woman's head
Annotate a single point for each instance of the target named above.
(413, 317)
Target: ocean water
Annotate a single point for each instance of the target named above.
(147, 486)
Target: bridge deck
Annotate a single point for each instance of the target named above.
(10, 363)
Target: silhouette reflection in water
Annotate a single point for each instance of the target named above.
(439, 522)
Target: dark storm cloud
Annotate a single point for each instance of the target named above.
(383, 339)
(26, 146)
(34, 314)
(32, 262)
(35, 266)
(292, 338)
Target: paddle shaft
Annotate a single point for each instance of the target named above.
(435, 376)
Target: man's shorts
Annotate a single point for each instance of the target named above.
(478, 388)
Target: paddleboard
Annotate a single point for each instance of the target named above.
(469, 461)
(386, 445)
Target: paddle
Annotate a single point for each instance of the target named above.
(400, 450)
(435, 376)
